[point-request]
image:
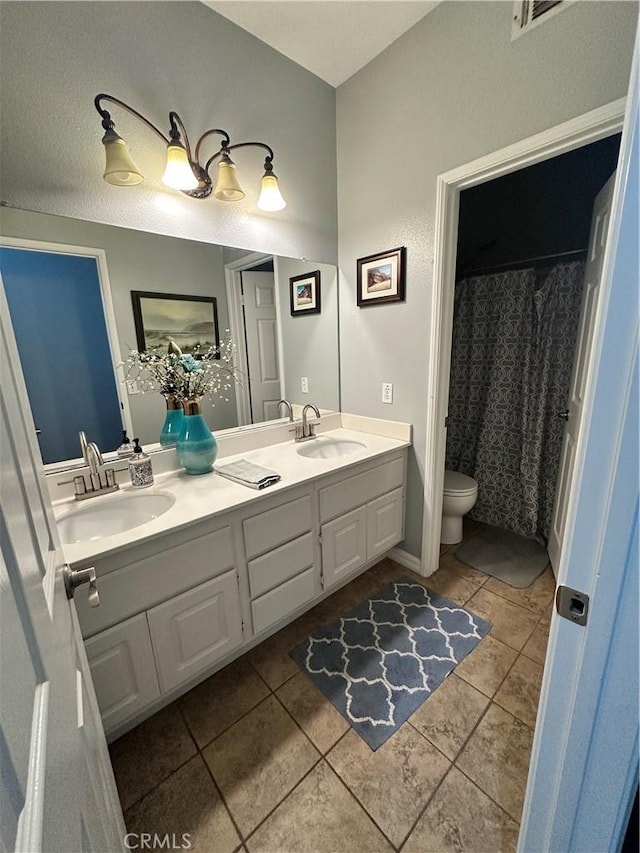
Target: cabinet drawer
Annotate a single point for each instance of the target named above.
(195, 629)
(156, 578)
(277, 566)
(123, 670)
(284, 599)
(269, 529)
(344, 546)
(358, 490)
(384, 523)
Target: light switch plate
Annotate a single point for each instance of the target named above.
(387, 392)
(304, 382)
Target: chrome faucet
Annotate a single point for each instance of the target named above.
(289, 407)
(101, 480)
(307, 428)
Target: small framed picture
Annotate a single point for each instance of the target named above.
(191, 322)
(381, 277)
(305, 293)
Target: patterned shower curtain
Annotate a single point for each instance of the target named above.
(514, 337)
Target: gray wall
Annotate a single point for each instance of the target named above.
(452, 89)
(55, 57)
(311, 341)
(139, 261)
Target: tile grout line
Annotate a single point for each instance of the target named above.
(223, 799)
(280, 802)
(359, 802)
(158, 784)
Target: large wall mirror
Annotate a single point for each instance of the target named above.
(69, 283)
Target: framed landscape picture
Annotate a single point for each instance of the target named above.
(304, 291)
(381, 277)
(191, 322)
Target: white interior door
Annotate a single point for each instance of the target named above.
(57, 791)
(261, 332)
(593, 273)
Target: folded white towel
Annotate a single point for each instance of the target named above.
(248, 474)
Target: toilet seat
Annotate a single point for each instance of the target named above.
(456, 483)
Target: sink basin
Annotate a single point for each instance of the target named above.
(111, 514)
(330, 448)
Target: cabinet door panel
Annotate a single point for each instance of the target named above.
(344, 546)
(356, 490)
(123, 670)
(193, 630)
(276, 526)
(282, 600)
(279, 565)
(384, 523)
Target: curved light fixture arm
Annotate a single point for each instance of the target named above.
(226, 148)
(225, 143)
(107, 121)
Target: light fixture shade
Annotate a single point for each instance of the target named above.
(227, 186)
(178, 173)
(120, 170)
(270, 195)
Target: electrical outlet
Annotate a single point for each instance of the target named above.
(304, 382)
(387, 392)
(132, 386)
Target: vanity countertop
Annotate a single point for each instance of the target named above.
(207, 495)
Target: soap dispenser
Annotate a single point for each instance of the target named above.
(140, 467)
(126, 448)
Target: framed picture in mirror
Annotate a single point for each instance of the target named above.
(381, 277)
(304, 291)
(191, 322)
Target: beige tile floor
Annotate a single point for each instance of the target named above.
(255, 759)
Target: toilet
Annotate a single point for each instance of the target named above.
(460, 493)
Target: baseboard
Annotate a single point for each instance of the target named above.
(404, 558)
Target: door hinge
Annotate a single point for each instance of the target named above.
(572, 604)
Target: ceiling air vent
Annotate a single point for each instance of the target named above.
(528, 14)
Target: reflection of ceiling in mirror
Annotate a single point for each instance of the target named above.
(141, 261)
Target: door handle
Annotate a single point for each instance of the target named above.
(74, 578)
(564, 414)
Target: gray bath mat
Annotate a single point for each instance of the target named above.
(505, 555)
(381, 661)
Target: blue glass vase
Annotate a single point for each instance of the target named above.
(197, 447)
(172, 426)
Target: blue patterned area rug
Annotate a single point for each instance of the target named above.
(381, 661)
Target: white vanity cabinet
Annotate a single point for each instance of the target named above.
(361, 517)
(177, 607)
(169, 609)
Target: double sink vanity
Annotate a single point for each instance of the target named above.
(194, 571)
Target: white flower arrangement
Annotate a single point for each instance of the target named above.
(210, 373)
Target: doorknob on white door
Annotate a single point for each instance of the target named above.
(75, 578)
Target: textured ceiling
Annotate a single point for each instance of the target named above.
(331, 38)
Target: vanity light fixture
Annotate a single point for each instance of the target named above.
(184, 170)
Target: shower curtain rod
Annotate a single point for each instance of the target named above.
(526, 261)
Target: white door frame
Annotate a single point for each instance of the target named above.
(569, 135)
(233, 277)
(109, 317)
